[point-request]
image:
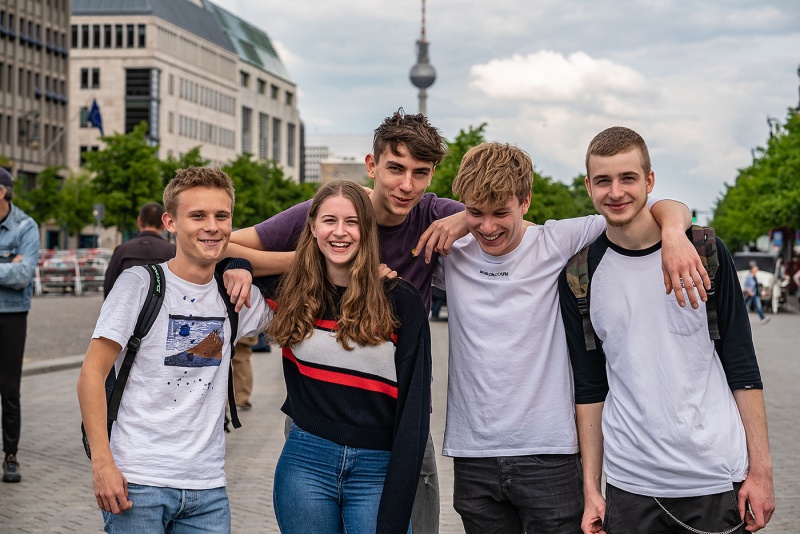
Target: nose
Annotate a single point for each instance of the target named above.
(616, 189)
(406, 182)
(487, 225)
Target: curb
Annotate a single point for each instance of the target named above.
(50, 365)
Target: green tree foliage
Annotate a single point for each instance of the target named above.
(126, 174)
(76, 203)
(172, 164)
(261, 190)
(42, 203)
(766, 194)
(446, 171)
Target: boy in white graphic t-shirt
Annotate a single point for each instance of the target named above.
(163, 467)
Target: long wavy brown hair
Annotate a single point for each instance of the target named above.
(364, 315)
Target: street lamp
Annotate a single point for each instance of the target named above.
(29, 138)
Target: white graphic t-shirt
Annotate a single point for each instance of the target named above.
(169, 432)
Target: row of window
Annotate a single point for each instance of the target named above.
(31, 33)
(205, 96)
(90, 78)
(28, 130)
(109, 36)
(203, 131)
(84, 149)
(263, 137)
(30, 84)
(261, 88)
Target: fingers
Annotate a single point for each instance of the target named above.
(384, 271)
(423, 241)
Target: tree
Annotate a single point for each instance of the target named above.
(42, 203)
(261, 190)
(76, 203)
(446, 171)
(172, 164)
(766, 194)
(126, 174)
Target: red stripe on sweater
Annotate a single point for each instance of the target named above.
(342, 379)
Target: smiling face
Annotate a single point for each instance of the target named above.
(400, 181)
(201, 224)
(337, 231)
(618, 186)
(498, 229)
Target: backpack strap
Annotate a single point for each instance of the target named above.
(147, 316)
(233, 317)
(705, 242)
(578, 280)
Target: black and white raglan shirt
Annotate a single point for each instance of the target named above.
(671, 426)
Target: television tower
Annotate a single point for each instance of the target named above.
(422, 74)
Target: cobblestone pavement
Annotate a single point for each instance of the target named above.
(56, 495)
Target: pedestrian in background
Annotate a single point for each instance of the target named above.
(19, 254)
(148, 246)
(357, 366)
(752, 292)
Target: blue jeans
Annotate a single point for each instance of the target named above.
(172, 511)
(757, 300)
(321, 486)
(516, 494)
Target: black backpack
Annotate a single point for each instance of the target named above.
(147, 316)
(704, 241)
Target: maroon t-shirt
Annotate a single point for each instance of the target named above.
(282, 232)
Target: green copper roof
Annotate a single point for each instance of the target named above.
(252, 45)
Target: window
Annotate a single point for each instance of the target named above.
(244, 78)
(118, 35)
(131, 35)
(83, 150)
(274, 91)
(84, 78)
(170, 121)
(261, 86)
(171, 84)
(84, 36)
(263, 124)
(276, 140)
(142, 35)
(21, 82)
(95, 78)
(96, 36)
(107, 41)
(84, 117)
(290, 132)
(75, 43)
(247, 141)
(289, 98)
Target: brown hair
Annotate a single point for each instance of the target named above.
(491, 173)
(615, 140)
(150, 215)
(423, 141)
(192, 177)
(365, 314)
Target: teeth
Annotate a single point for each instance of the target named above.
(487, 238)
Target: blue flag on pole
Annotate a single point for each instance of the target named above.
(94, 118)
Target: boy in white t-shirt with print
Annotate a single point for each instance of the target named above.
(510, 410)
(164, 465)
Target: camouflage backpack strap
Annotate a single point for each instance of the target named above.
(705, 243)
(578, 280)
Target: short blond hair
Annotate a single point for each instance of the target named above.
(491, 173)
(192, 177)
(616, 140)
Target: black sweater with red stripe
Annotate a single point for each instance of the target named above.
(373, 397)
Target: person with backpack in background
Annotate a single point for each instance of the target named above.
(163, 468)
(19, 254)
(668, 399)
(752, 293)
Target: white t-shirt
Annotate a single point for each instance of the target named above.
(169, 432)
(510, 390)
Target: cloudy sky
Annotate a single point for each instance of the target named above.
(697, 79)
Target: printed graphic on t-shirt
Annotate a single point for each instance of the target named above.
(198, 340)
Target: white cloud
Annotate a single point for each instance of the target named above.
(551, 77)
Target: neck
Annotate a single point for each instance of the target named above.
(640, 233)
(383, 217)
(191, 272)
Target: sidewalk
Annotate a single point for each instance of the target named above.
(56, 493)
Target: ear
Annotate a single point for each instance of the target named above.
(371, 164)
(313, 232)
(588, 185)
(169, 222)
(526, 204)
(651, 181)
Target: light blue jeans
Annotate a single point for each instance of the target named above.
(172, 511)
(321, 486)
